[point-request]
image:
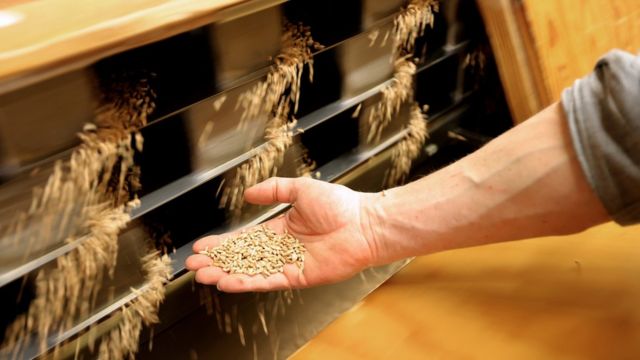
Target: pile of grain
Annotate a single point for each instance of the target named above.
(87, 199)
(274, 96)
(122, 342)
(259, 251)
(408, 148)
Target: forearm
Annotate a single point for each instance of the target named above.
(526, 183)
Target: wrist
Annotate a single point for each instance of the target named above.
(373, 229)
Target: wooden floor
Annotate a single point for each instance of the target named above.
(575, 297)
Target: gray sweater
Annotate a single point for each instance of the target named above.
(603, 110)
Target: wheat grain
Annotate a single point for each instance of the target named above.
(259, 251)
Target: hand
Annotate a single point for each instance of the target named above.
(332, 221)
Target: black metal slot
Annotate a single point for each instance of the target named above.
(345, 18)
(436, 86)
(180, 68)
(332, 138)
(189, 216)
(166, 156)
(16, 297)
(326, 85)
(429, 45)
(493, 116)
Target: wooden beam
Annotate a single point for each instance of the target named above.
(516, 58)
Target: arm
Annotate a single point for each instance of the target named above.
(534, 180)
(525, 183)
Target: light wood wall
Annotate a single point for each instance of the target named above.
(543, 46)
(570, 35)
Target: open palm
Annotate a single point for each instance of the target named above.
(330, 220)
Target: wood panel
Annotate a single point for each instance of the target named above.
(570, 35)
(574, 297)
(515, 57)
(41, 39)
(542, 47)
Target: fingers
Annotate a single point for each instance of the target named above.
(274, 190)
(209, 242)
(235, 283)
(210, 275)
(195, 262)
(290, 279)
(244, 283)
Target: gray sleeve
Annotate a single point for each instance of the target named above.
(603, 111)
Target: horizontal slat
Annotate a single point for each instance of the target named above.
(71, 51)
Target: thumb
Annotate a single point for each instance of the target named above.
(273, 190)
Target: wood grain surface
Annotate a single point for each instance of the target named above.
(575, 297)
(515, 56)
(51, 37)
(542, 47)
(570, 35)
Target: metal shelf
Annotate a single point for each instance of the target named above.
(179, 187)
(330, 171)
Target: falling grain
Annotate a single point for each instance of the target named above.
(276, 95)
(283, 80)
(408, 25)
(241, 334)
(455, 135)
(86, 200)
(411, 23)
(408, 148)
(373, 36)
(255, 350)
(122, 342)
(263, 321)
(356, 113)
(217, 104)
(227, 323)
(263, 164)
(393, 96)
(204, 136)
